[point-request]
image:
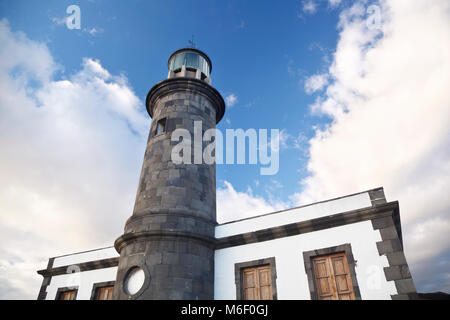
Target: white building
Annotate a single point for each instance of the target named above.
(345, 248)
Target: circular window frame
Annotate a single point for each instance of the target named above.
(145, 284)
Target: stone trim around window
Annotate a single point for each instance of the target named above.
(65, 289)
(255, 263)
(307, 258)
(100, 285)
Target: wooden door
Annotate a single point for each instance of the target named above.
(332, 277)
(104, 293)
(67, 295)
(257, 283)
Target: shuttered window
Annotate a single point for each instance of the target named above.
(257, 283)
(104, 293)
(67, 295)
(332, 277)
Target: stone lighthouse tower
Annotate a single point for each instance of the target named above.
(167, 249)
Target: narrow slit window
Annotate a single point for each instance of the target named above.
(161, 126)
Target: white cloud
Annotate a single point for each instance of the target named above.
(389, 104)
(288, 141)
(71, 153)
(93, 31)
(325, 51)
(283, 138)
(334, 3)
(316, 82)
(276, 184)
(60, 21)
(63, 22)
(309, 6)
(231, 100)
(234, 205)
(300, 142)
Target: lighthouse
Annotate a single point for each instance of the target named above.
(167, 248)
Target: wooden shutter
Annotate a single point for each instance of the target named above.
(67, 295)
(322, 274)
(332, 277)
(342, 277)
(249, 286)
(265, 283)
(257, 283)
(104, 293)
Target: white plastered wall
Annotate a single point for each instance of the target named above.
(83, 280)
(313, 211)
(292, 281)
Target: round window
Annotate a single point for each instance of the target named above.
(134, 281)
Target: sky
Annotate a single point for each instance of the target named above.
(358, 90)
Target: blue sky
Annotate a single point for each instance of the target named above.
(261, 53)
(361, 100)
